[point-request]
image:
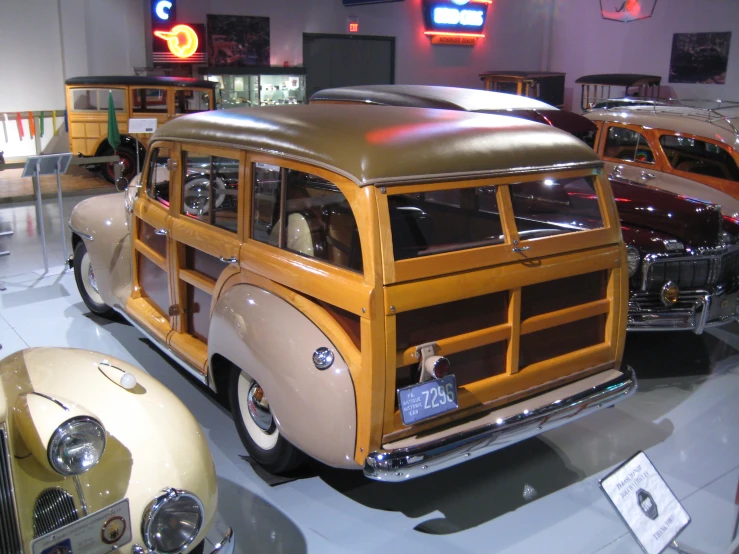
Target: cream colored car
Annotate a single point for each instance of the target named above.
(390, 289)
(97, 456)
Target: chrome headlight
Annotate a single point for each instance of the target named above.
(634, 259)
(76, 445)
(172, 521)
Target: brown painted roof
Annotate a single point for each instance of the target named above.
(380, 144)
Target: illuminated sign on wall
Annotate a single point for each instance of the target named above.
(163, 14)
(455, 18)
(180, 44)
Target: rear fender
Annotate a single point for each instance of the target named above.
(274, 342)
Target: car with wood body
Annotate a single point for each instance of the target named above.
(97, 456)
(688, 150)
(382, 288)
(682, 252)
(134, 97)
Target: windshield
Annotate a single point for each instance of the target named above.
(427, 223)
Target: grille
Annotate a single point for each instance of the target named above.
(690, 273)
(54, 509)
(10, 540)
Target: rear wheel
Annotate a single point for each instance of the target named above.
(256, 426)
(128, 156)
(87, 284)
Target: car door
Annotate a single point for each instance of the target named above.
(628, 153)
(150, 300)
(205, 238)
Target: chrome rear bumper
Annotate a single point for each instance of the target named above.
(413, 457)
(694, 311)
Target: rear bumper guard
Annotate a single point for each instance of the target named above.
(499, 428)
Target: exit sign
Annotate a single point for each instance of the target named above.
(353, 24)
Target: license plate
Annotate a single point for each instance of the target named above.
(99, 533)
(427, 399)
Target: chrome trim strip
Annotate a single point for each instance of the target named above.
(80, 233)
(164, 348)
(226, 545)
(406, 463)
(50, 398)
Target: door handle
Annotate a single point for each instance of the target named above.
(161, 232)
(616, 171)
(521, 248)
(231, 260)
(647, 176)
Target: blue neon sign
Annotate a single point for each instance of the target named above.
(454, 16)
(163, 13)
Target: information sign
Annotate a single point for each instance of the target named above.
(645, 502)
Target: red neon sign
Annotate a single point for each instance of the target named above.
(182, 40)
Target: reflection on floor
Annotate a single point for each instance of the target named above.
(541, 495)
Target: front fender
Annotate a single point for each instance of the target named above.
(274, 342)
(103, 224)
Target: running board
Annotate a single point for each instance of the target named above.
(165, 348)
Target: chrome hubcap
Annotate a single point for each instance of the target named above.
(256, 403)
(91, 279)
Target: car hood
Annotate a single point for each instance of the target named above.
(153, 441)
(667, 215)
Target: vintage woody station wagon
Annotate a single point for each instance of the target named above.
(385, 288)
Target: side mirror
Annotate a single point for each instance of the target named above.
(121, 184)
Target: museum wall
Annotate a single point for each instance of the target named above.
(583, 43)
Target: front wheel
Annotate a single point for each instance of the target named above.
(256, 426)
(87, 284)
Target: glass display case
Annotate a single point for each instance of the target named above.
(263, 86)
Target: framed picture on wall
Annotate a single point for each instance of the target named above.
(699, 58)
(237, 40)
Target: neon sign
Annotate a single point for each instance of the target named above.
(182, 40)
(163, 13)
(455, 18)
(162, 8)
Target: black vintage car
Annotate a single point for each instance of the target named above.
(683, 253)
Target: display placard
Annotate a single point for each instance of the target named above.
(142, 125)
(47, 164)
(647, 505)
(99, 533)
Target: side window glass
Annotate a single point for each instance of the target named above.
(190, 101)
(95, 99)
(148, 100)
(157, 185)
(305, 214)
(210, 190)
(699, 157)
(266, 208)
(628, 145)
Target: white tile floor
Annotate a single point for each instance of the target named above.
(685, 416)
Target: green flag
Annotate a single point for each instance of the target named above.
(114, 137)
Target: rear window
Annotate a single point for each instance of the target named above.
(434, 222)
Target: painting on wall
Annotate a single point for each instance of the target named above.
(627, 10)
(237, 40)
(699, 58)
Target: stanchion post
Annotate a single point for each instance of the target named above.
(61, 206)
(40, 212)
